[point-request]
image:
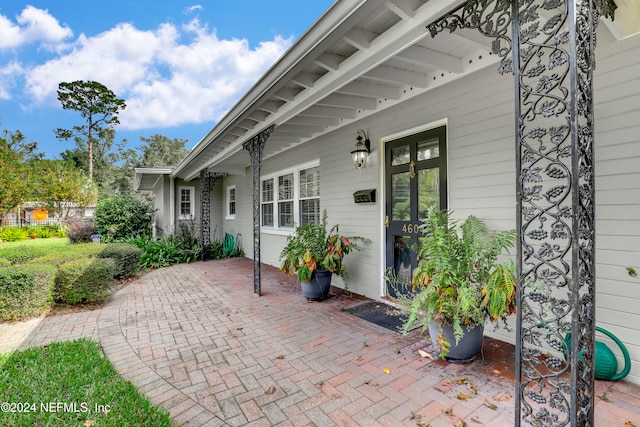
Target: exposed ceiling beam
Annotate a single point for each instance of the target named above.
(353, 101)
(359, 39)
(405, 9)
(372, 89)
(322, 111)
(329, 61)
(429, 57)
(392, 74)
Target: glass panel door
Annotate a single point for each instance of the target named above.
(415, 179)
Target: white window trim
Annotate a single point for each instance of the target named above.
(275, 229)
(229, 215)
(192, 207)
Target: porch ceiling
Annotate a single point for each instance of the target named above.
(361, 57)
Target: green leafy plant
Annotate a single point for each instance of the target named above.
(458, 280)
(13, 234)
(122, 217)
(311, 247)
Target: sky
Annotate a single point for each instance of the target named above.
(180, 65)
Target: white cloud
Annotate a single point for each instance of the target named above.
(8, 75)
(164, 83)
(33, 25)
(190, 9)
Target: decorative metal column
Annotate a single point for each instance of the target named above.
(552, 46)
(255, 146)
(207, 181)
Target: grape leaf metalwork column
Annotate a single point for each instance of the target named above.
(255, 147)
(552, 58)
(207, 181)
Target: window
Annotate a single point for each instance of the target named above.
(187, 205)
(231, 202)
(291, 197)
(310, 195)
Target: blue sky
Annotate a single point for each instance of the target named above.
(178, 64)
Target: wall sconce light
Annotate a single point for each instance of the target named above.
(360, 152)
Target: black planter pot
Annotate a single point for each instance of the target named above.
(317, 288)
(466, 349)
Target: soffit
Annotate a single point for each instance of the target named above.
(360, 58)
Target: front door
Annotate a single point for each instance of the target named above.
(415, 180)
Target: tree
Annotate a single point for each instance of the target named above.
(97, 104)
(60, 187)
(15, 157)
(158, 150)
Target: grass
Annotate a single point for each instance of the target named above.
(70, 384)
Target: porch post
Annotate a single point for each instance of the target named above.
(207, 180)
(255, 146)
(552, 62)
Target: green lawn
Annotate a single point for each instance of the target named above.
(70, 384)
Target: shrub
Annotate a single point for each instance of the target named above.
(4, 262)
(123, 217)
(68, 253)
(25, 291)
(13, 234)
(84, 280)
(80, 231)
(19, 253)
(125, 256)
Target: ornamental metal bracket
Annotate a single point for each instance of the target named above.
(549, 47)
(255, 147)
(207, 181)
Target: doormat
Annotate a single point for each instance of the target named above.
(381, 314)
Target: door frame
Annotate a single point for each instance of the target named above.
(383, 190)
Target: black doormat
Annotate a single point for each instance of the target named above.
(381, 314)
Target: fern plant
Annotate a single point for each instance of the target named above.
(458, 280)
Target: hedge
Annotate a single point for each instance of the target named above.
(84, 280)
(68, 253)
(126, 257)
(25, 291)
(19, 253)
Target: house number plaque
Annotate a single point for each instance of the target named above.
(411, 228)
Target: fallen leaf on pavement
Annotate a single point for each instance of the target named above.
(270, 390)
(280, 356)
(462, 396)
(424, 354)
(496, 372)
(459, 422)
(387, 371)
(629, 424)
(489, 405)
(502, 397)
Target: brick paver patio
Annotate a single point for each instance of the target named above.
(196, 340)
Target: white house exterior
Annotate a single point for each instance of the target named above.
(372, 65)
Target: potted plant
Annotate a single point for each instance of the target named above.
(459, 284)
(314, 254)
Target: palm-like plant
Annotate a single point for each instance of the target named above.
(458, 280)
